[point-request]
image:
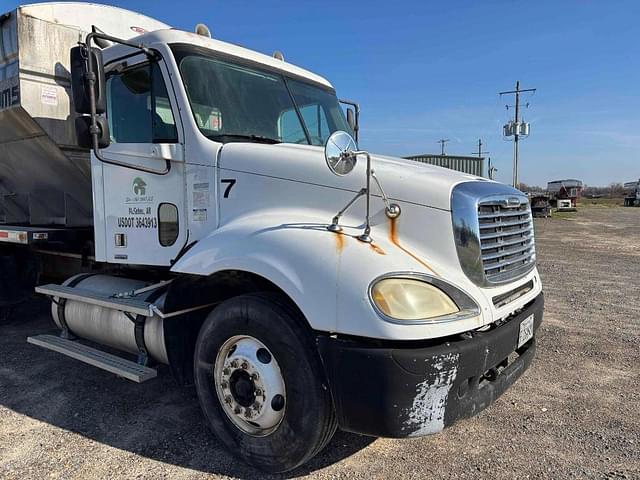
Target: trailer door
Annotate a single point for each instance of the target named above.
(143, 200)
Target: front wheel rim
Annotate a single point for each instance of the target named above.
(250, 385)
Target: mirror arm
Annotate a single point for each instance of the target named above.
(392, 210)
(366, 235)
(93, 129)
(335, 227)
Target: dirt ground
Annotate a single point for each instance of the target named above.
(575, 413)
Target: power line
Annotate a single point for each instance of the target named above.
(517, 129)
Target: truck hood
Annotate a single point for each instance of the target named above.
(402, 180)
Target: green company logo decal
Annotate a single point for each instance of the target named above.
(139, 186)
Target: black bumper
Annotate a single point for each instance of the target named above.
(389, 390)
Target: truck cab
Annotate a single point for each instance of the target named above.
(242, 237)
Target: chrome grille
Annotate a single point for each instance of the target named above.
(506, 239)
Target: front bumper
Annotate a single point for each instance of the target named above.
(390, 390)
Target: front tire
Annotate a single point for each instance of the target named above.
(261, 384)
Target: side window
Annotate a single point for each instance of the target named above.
(316, 122)
(289, 128)
(168, 228)
(138, 106)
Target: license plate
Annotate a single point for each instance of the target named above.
(526, 331)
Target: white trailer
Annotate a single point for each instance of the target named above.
(236, 232)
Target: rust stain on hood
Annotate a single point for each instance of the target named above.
(393, 237)
(377, 249)
(339, 242)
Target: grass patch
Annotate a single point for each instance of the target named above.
(564, 215)
(600, 202)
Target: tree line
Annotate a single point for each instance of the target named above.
(613, 190)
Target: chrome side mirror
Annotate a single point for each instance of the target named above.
(339, 152)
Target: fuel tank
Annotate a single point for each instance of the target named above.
(107, 326)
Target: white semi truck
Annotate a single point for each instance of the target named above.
(212, 212)
(632, 194)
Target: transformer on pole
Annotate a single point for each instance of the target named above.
(516, 128)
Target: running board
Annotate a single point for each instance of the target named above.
(129, 305)
(103, 360)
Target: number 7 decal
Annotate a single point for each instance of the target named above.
(230, 183)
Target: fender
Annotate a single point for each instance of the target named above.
(326, 275)
(299, 257)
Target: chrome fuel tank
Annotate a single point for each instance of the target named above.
(111, 327)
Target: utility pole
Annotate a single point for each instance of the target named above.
(442, 141)
(516, 130)
(480, 153)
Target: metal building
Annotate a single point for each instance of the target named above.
(471, 165)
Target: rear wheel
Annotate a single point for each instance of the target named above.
(261, 384)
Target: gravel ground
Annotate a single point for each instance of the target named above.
(575, 413)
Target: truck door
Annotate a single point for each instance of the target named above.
(143, 199)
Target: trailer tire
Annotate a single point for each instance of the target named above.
(250, 339)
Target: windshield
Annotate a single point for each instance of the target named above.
(233, 102)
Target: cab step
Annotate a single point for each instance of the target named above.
(92, 356)
(130, 305)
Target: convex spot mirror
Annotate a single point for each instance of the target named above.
(338, 152)
(83, 132)
(80, 84)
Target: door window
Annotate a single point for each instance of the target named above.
(138, 106)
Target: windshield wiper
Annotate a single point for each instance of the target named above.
(239, 136)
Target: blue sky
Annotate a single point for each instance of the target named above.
(424, 70)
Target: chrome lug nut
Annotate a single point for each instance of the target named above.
(228, 399)
(234, 364)
(255, 376)
(224, 384)
(245, 365)
(237, 410)
(258, 392)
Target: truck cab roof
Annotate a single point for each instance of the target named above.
(174, 36)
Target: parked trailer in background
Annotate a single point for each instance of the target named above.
(45, 178)
(210, 211)
(540, 205)
(632, 194)
(568, 190)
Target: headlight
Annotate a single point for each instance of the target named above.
(413, 299)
